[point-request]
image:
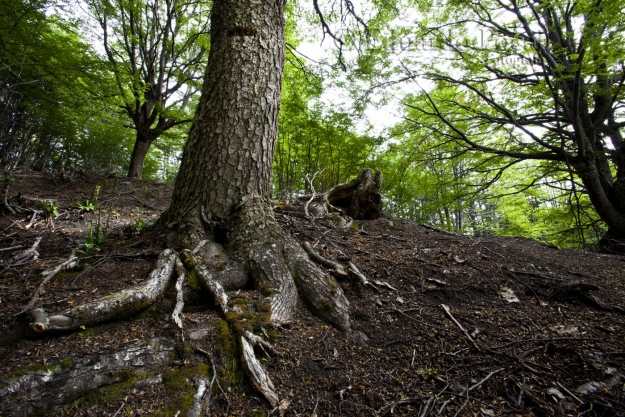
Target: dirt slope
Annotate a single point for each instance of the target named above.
(458, 326)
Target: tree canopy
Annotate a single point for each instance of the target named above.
(504, 104)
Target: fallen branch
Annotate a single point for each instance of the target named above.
(23, 257)
(41, 289)
(466, 334)
(469, 389)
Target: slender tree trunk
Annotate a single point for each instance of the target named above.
(139, 152)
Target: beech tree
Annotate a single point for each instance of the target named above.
(543, 81)
(156, 52)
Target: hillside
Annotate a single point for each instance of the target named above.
(456, 325)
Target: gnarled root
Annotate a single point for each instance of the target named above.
(121, 304)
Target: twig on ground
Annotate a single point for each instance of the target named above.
(576, 398)
(121, 407)
(11, 248)
(428, 404)
(31, 223)
(469, 389)
(41, 289)
(144, 204)
(466, 334)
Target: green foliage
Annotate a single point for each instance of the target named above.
(49, 207)
(98, 229)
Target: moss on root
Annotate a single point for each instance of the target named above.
(105, 395)
(231, 372)
(62, 366)
(180, 389)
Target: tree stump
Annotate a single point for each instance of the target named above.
(359, 198)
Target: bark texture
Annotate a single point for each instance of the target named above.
(139, 152)
(65, 381)
(222, 192)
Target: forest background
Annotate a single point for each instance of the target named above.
(110, 86)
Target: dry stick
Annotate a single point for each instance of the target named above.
(466, 334)
(576, 398)
(41, 289)
(121, 407)
(312, 188)
(469, 389)
(428, 404)
(25, 255)
(11, 248)
(144, 204)
(32, 219)
(214, 368)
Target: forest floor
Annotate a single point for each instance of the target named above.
(529, 330)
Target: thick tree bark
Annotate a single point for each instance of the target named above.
(222, 192)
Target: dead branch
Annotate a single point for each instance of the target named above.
(41, 289)
(23, 257)
(311, 181)
(469, 389)
(457, 323)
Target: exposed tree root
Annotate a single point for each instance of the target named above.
(359, 198)
(121, 304)
(65, 381)
(260, 252)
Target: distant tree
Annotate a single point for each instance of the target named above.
(545, 81)
(156, 50)
(45, 66)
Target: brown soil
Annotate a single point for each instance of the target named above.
(539, 352)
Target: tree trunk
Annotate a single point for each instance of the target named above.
(139, 152)
(222, 192)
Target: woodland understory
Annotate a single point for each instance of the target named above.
(440, 323)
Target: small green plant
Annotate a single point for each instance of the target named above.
(141, 224)
(88, 205)
(98, 230)
(49, 207)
